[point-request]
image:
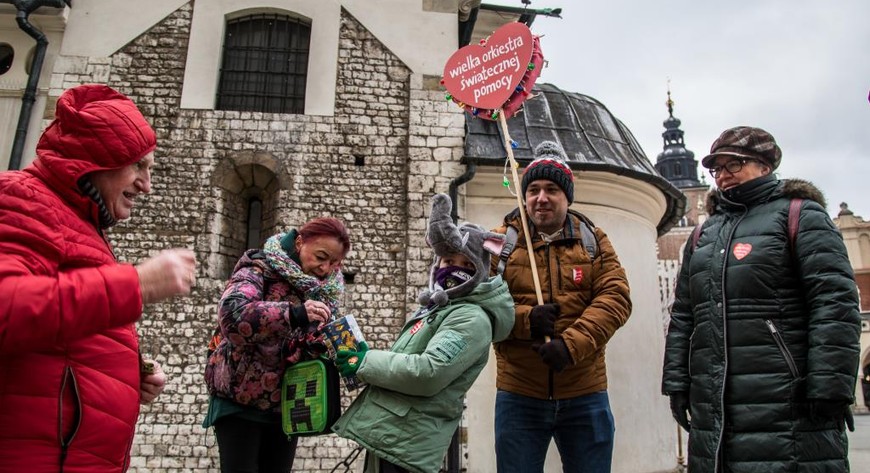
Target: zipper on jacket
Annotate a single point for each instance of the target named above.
(780, 343)
(68, 376)
(431, 317)
(551, 382)
(127, 455)
(718, 466)
(549, 272)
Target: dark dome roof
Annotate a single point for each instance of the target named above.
(592, 137)
(672, 122)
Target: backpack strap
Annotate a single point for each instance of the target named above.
(589, 240)
(510, 241)
(696, 235)
(794, 216)
(587, 235)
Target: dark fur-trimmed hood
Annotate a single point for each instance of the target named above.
(788, 188)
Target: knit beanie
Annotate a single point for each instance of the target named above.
(468, 239)
(550, 164)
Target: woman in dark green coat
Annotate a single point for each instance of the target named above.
(763, 344)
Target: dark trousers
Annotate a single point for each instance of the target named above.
(253, 447)
(387, 467)
(384, 466)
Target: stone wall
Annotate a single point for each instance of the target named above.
(668, 271)
(392, 142)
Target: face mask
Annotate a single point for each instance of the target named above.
(452, 276)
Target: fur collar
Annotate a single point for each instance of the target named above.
(788, 189)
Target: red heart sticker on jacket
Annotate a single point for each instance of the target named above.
(485, 75)
(741, 250)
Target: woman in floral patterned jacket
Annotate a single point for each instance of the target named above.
(269, 314)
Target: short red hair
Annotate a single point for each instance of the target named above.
(326, 227)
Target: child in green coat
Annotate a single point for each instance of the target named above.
(406, 416)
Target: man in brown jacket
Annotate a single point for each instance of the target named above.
(557, 389)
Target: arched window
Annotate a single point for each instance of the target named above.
(255, 222)
(265, 64)
(678, 170)
(246, 210)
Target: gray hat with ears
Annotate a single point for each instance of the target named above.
(445, 238)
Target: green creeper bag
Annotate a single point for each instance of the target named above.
(310, 398)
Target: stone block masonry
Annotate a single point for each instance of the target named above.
(391, 144)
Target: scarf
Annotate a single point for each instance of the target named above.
(452, 276)
(328, 291)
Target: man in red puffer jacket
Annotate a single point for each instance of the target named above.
(71, 378)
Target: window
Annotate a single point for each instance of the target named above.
(247, 208)
(7, 55)
(265, 64)
(255, 223)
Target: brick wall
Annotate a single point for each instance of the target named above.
(862, 279)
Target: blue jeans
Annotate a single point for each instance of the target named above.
(582, 428)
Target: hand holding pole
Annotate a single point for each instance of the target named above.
(519, 193)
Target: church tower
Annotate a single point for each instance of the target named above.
(679, 166)
(676, 163)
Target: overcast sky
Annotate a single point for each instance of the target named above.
(798, 68)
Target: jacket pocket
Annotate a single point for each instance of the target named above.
(783, 349)
(574, 275)
(390, 403)
(69, 411)
(383, 420)
(691, 348)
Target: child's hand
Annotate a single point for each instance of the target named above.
(349, 361)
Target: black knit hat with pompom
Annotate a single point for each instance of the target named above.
(550, 164)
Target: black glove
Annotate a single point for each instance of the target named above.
(542, 320)
(850, 420)
(822, 410)
(554, 353)
(680, 409)
(298, 316)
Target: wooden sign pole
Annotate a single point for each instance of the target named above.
(519, 193)
(514, 54)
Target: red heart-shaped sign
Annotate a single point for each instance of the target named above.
(741, 250)
(485, 75)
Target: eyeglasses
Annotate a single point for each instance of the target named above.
(732, 167)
